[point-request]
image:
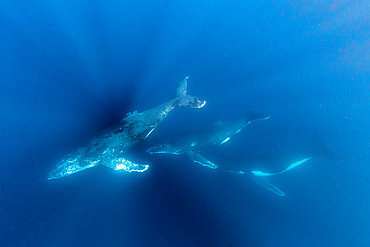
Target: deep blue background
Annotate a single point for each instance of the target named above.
(69, 69)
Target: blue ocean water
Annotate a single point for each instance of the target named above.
(70, 69)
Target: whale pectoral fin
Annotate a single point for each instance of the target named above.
(126, 165)
(263, 174)
(290, 167)
(201, 160)
(262, 181)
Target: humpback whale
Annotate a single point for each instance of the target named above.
(109, 148)
(260, 177)
(219, 134)
(319, 150)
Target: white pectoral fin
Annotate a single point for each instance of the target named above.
(290, 167)
(201, 160)
(126, 165)
(150, 132)
(227, 139)
(263, 174)
(297, 163)
(268, 186)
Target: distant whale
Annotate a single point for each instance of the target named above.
(318, 150)
(260, 177)
(109, 148)
(219, 134)
(278, 158)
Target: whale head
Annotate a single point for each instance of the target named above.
(70, 165)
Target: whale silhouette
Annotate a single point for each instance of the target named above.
(109, 148)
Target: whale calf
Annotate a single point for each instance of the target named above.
(109, 148)
(219, 134)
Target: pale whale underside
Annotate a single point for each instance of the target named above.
(109, 148)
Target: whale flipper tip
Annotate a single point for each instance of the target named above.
(268, 186)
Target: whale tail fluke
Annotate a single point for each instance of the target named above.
(252, 116)
(321, 150)
(183, 99)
